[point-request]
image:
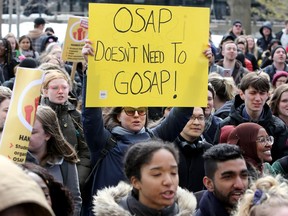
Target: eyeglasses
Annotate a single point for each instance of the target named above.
(199, 118)
(263, 140)
(237, 25)
(58, 87)
(130, 111)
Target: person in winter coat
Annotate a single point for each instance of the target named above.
(55, 89)
(267, 36)
(250, 106)
(192, 145)
(7, 62)
(211, 121)
(36, 33)
(226, 180)
(49, 149)
(123, 127)
(152, 170)
(256, 145)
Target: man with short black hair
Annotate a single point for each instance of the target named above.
(36, 33)
(226, 180)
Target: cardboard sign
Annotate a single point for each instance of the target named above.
(76, 33)
(21, 114)
(147, 56)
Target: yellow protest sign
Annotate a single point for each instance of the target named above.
(147, 56)
(21, 114)
(76, 33)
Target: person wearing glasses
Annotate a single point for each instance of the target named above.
(236, 30)
(55, 89)
(256, 145)
(250, 106)
(192, 145)
(123, 127)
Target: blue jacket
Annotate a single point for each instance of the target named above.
(110, 171)
(210, 206)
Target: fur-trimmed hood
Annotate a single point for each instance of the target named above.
(106, 202)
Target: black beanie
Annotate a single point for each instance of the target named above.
(274, 50)
(29, 63)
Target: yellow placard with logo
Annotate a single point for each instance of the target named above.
(21, 114)
(147, 55)
(76, 33)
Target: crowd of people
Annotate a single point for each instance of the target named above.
(227, 158)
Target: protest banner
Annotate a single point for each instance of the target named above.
(21, 114)
(147, 56)
(76, 33)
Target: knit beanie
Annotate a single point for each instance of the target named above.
(225, 132)
(277, 75)
(277, 47)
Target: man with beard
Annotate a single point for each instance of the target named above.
(230, 63)
(279, 56)
(226, 179)
(5, 97)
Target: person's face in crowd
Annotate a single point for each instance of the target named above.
(280, 81)
(241, 47)
(237, 28)
(210, 103)
(250, 42)
(230, 181)
(266, 31)
(195, 126)
(42, 185)
(264, 146)
(38, 139)
(279, 56)
(230, 51)
(4, 106)
(283, 105)
(133, 119)
(159, 181)
(58, 90)
(12, 42)
(25, 44)
(254, 100)
(2, 48)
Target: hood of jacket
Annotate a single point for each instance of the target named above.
(224, 109)
(106, 202)
(35, 33)
(266, 24)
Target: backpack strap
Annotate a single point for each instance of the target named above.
(110, 144)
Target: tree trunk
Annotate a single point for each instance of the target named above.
(241, 10)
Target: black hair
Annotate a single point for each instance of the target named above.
(219, 153)
(142, 153)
